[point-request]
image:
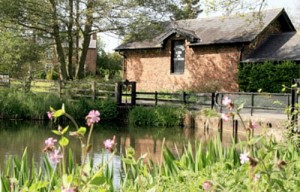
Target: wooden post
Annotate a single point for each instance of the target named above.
(235, 130)
(212, 100)
(156, 97)
(133, 93)
(118, 93)
(221, 129)
(184, 97)
(252, 104)
(93, 90)
(294, 102)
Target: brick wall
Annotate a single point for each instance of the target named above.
(207, 68)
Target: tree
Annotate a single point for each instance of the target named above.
(67, 21)
(18, 54)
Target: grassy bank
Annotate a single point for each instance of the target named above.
(18, 105)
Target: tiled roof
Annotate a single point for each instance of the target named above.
(214, 30)
(279, 47)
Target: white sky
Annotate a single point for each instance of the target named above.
(291, 6)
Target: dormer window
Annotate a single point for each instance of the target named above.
(177, 57)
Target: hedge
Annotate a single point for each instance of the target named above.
(267, 76)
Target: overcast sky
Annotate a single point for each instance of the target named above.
(291, 6)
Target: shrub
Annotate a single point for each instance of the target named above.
(267, 76)
(156, 116)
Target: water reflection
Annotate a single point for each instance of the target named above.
(15, 136)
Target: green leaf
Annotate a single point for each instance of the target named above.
(59, 113)
(81, 131)
(64, 130)
(56, 132)
(128, 161)
(98, 178)
(64, 141)
(241, 106)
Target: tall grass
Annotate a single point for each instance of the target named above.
(156, 116)
(19, 105)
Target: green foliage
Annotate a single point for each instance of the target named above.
(109, 65)
(78, 109)
(268, 76)
(18, 54)
(17, 105)
(156, 116)
(187, 9)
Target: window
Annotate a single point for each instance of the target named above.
(178, 57)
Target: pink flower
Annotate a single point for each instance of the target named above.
(225, 117)
(92, 117)
(244, 157)
(226, 101)
(55, 156)
(50, 142)
(109, 144)
(254, 125)
(50, 115)
(207, 185)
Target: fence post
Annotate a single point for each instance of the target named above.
(235, 130)
(156, 97)
(118, 93)
(133, 93)
(294, 98)
(184, 97)
(221, 129)
(212, 100)
(94, 90)
(252, 104)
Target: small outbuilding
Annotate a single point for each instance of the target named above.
(203, 54)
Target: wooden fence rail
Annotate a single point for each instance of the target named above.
(73, 89)
(125, 94)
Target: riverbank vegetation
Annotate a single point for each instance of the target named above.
(17, 105)
(260, 163)
(166, 116)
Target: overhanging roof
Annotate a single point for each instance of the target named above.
(279, 47)
(214, 30)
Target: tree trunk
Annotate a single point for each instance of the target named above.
(70, 37)
(86, 38)
(58, 42)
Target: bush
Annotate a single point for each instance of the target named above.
(267, 76)
(156, 116)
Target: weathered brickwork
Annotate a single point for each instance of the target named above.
(208, 68)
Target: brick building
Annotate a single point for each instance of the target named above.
(201, 54)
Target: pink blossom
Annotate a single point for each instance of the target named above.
(55, 156)
(226, 101)
(225, 117)
(93, 117)
(50, 142)
(244, 157)
(109, 144)
(207, 185)
(50, 115)
(254, 125)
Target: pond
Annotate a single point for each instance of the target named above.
(16, 136)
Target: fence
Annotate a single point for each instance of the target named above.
(125, 94)
(253, 102)
(71, 89)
